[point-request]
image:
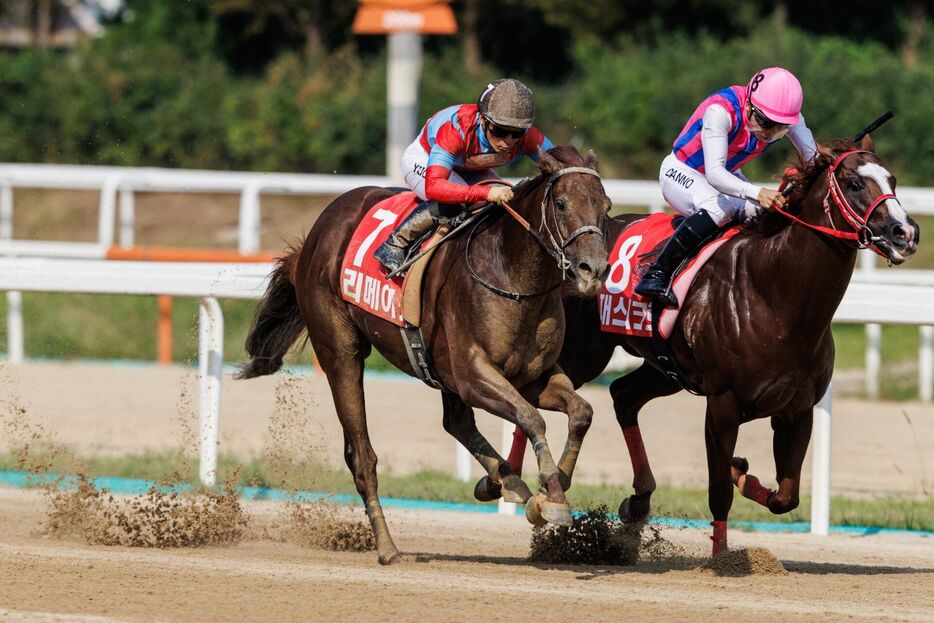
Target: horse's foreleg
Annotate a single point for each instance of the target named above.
(789, 444)
(493, 393)
(630, 393)
(720, 431)
(555, 392)
(459, 421)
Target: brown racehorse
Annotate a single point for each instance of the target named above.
(754, 332)
(494, 331)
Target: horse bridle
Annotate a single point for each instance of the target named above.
(860, 222)
(558, 243)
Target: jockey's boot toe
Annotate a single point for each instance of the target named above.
(390, 256)
(654, 285)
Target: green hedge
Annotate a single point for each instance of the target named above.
(155, 101)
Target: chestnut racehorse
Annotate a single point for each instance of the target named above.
(492, 319)
(754, 331)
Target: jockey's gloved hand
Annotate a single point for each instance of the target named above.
(500, 194)
(770, 199)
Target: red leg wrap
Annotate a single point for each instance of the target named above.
(719, 536)
(751, 488)
(517, 452)
(640, 462)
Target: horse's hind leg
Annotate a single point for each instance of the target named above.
(341, 357)
(630, 393)
(459, 421)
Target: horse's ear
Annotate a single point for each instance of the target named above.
(547, 163)
(867, 143)
(590, 161)
(825, 151)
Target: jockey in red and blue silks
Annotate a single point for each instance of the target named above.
(453, 148)
(458, 147)
(701, 178)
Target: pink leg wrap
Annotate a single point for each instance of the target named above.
(751, 488)
(640, 462)
(719, 536)
(517, 452)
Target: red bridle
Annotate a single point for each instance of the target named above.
(859, 222)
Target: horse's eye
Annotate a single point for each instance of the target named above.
(561, 204)
(609, 205)
(855, 184)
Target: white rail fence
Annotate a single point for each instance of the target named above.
(863, 303)
(117, 186)
(207, 282)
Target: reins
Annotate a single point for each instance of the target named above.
(558, 243)
(863, 235)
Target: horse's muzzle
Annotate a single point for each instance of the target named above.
(899, 241)
(589, 276)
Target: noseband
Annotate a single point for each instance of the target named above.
(860, 222)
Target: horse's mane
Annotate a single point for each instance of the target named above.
(565, 154)
(804, 175)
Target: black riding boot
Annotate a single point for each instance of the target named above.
(393, 252)
(656, 283)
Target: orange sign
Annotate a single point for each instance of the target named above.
(432, 17)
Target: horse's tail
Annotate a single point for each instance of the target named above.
(277, 323)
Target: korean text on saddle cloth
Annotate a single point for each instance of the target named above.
(363, 280)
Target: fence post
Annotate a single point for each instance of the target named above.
(210, 368)
(464, 463)
(107, 209)
(820, 471)
(926, 364)
(873, 359)
(14, 300)
(249, 229)
(506, 508)
(127, 217)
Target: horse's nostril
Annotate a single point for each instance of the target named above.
(899, 234)
(584, 269)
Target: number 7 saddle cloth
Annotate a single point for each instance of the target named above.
(363, 278)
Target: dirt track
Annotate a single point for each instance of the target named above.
(458, 566)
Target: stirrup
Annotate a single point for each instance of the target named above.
(390, 256)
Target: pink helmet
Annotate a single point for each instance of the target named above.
(777, 94)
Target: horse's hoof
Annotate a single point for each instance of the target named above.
(635, 508)
(486, 490)
(557, 514)
(390, 558)
(515, 490)
(533, 510)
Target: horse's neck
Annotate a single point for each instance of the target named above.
(817, 266)
(524, 265)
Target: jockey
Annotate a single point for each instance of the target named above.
(701, 178)
(458, 147)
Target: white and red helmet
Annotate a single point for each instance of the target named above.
(777, 94)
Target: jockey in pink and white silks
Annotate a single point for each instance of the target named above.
(457, 148)
(701, 179)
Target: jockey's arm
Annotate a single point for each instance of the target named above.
(803, 140)
(439, 188)
(714, 138)
(533, 141)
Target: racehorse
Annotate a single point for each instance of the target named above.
(492, 318)
(754, 331)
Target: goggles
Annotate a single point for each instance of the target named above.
(500, 132)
